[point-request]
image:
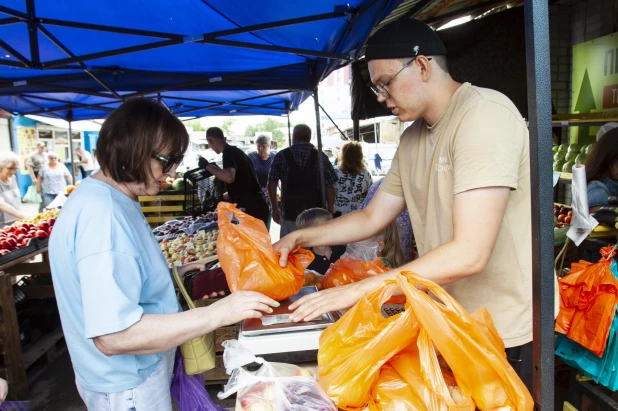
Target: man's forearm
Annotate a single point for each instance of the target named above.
(223, 175)
(272, 194)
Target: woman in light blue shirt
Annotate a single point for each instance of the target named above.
(119, 311)
(602, 170)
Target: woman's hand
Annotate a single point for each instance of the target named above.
(38, 189)
(240, 306)
(190, 267)
(4, 390)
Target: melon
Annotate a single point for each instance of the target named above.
(581, 157)
(559, 156)
(574, 148)
(558, 165)
(570, 156)
(179, 184)
(554, 149)
(568, 167)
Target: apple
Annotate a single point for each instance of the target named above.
(43, 226)
(41, 234)
(51, 222)
(20, 238)
(11, 242)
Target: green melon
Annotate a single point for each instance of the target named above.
(558, 165)
(179, 184)
(574, 148)
(559, 156)
(570, 156)
(589, 148)
(563, 147)
(581, 157)
(568, 167)
(554, 149)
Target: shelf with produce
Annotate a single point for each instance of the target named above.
(584, 119)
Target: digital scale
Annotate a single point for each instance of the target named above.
(274, 333)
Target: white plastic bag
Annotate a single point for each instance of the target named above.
(274, 386)
(366, 250)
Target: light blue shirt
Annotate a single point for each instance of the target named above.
(108, 271)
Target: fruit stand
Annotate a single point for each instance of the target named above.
(27, 349)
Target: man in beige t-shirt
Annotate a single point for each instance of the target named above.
(462, 169)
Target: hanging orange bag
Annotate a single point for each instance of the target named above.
(469, 344)
(588, 298)
(353, 350)
(249, 261)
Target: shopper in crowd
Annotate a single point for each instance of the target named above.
(238, 174)
(10, 197)
(297, 168)
(95, 161)
(262, 159)
(52, 179)
(353, 179)
(4, 390)
(36, 161)
(120, 315)
(463, 171)
(389, 246)
(377, 160)
(602, 170)
(86, 162)
(324, 255)
(404, 227)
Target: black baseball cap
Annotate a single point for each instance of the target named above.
(404, 38)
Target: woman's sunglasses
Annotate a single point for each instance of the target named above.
(168, 161)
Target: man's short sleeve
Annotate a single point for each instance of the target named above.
(230, 160)
(111, 286)
(276, 168)
(488, 148)
(30, 162)
(392, 182)
(330, 176)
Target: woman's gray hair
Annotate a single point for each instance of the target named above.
(9, 159)
(52, 154)
(263, 140)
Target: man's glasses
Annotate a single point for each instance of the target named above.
(381, 90)
(168, 161)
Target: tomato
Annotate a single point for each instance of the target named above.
(19, 231)
(4, 245)
(561, 218)
(41, 234)
(20, 238)
(568, 219)
(11, 242)
(10, 229)
(43, 226)
(51, 222)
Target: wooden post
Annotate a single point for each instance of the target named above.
(9, 334)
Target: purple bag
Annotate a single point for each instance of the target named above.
(188, 392)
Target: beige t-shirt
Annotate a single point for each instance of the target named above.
(480, 141)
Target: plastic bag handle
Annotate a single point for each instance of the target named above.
(447, 300)
(181, 286)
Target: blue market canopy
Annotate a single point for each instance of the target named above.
(217, 57)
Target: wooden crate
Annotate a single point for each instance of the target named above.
(162, 208)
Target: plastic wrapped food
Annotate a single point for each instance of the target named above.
(273, 387)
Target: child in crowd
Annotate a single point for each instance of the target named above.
(324, 256)
(389, 246)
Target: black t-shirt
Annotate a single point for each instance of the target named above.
(245, 186)
(321, 264)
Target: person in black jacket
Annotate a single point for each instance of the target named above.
(238, 174)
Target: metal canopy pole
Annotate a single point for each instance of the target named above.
(70, 118)
(289, 132)
(356, 131)
(318, 131)
(539, 113)
(345, 137)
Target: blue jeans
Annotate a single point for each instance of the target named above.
(48, 198)
(151, 395)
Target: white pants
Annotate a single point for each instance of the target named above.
(151, 395)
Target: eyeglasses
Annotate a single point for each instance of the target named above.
(380, 89)
(168, 161)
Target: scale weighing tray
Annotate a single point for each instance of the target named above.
(261, 326)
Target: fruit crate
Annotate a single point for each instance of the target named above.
(162, 207)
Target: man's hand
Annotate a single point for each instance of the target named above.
(202, 163)
(240, 306)
(4, 390)
(284, 247)
(276, 214)
(333, 299)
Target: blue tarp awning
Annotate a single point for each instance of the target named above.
(200, 58)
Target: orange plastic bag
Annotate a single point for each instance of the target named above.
(429, 386)
(469, 344)
(249, 261)
(348, 270)
(588, 298)
(353, 350)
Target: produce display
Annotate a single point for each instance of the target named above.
(189, 248)
(562, 216)
(179, 226)
(53, 214)
(19, 235)
(567, 155)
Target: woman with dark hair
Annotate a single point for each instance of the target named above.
(119, 311)
(602, 170)
(353, 179)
